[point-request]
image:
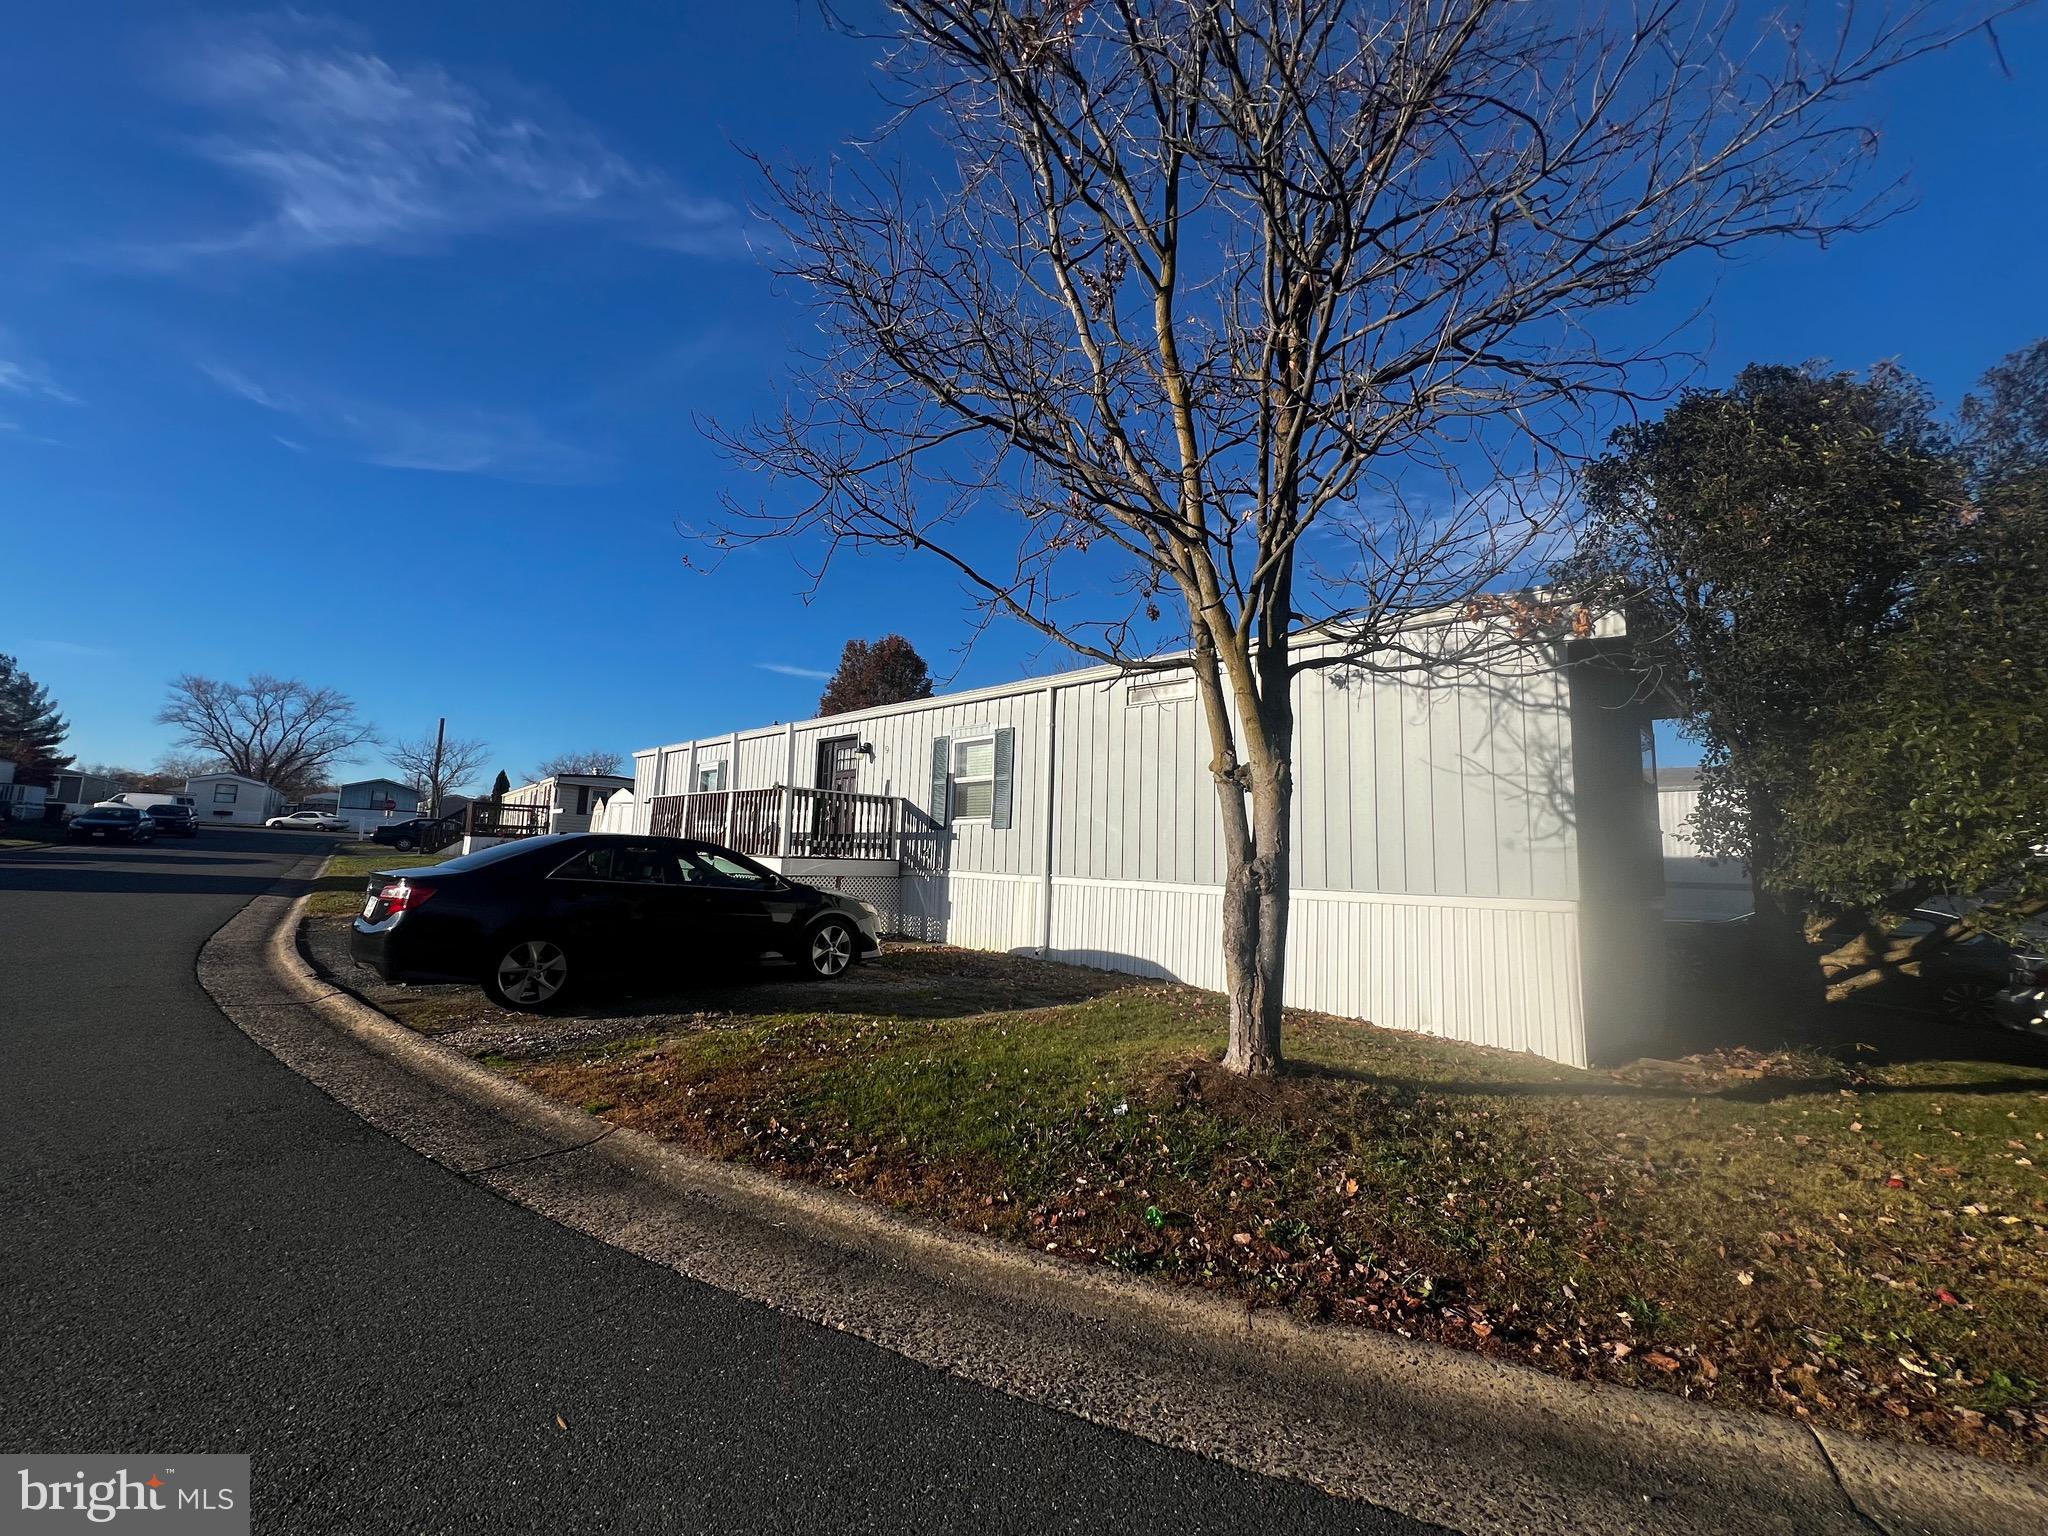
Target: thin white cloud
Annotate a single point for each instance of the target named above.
(789, 671)
(349, 150)
(467, 442)
(235, 382)
(70, 648)
(21, 374)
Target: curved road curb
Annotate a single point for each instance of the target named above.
(1432, 1433)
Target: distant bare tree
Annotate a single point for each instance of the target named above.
(184, 766)
(437, 768)
(1259, 315)
(579, 762)
(275, 729)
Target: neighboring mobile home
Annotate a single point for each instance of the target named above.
(373, 803)
(231, 799)
(19, 802)
(73, 792)
(1473, 857)
(568, 798)
(1696, 888)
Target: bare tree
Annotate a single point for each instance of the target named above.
(579, 762)
(275, 729)
(437, 766)
(1270, 316)
(184, 766)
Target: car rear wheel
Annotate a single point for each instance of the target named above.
(1968, 1002)
(530, 975)
(831, 949)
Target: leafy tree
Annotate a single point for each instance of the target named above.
(1929, 774)
(2005, 425)
(501, 786)
(1235, 318)
(31, 730)
(1769, 536)
(887, 671)
(593, 762)
(274, 729)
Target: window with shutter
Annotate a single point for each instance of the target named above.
(1004, 773)
(974, 778)
(942, 765)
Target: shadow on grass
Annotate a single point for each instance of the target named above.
(1765, 1090)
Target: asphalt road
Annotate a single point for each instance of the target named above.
(203, 1253)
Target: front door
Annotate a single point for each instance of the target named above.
(839, 763)
(838, 773)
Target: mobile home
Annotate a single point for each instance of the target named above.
(371, 803)
(233, 799)
(1475, 857)
(569, 799)
(73, 792)
(1696, 888)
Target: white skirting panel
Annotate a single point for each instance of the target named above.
(1499, 973)
(975, 911)
(1170, 931)
(1489, 972)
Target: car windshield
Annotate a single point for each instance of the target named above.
(116, 813)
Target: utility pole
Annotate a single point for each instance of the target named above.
(434, 778)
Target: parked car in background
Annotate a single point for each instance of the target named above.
(403, 835)
(539, 921)
(310, 821)
(174, 820)
(111, 824)
(144, 800)
(1980, 980)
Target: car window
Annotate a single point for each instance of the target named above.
(621, 863)
(707, 866)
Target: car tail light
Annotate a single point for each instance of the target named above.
(403, 896)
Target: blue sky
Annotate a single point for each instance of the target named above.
(280, 368)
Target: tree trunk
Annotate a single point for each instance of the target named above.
(1779, 949)
(1255, 888)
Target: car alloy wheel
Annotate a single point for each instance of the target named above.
(831, 950)
(1969, 1002)
(532, 974)
(403, 845)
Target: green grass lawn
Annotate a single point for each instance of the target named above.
(1857, 1237)
(29, 834)
(339, 890)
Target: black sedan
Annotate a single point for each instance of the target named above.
(174, 820)
(537, 921)
(110, 823)
(403, 835)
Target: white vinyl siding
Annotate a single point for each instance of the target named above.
(1436, 865)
